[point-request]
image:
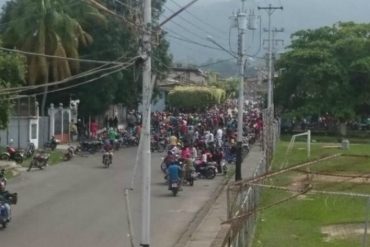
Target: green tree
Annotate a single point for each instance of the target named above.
(12, 73)
(47, 27)
(326, 70)
(124, 41)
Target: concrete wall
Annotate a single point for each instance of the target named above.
(21, 130)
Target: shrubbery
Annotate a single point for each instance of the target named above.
(188, 97)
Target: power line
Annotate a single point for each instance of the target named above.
(59, 57)
(191, 23)
(83, 74)
(81, 83)
(217, 62)
(177, 12)
(200, 20)
(33, 16)
(193, 42)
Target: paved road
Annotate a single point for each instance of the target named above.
(81, 204)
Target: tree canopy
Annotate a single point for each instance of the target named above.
(47, 27)
(195, 97)
(76, 29)
(326, 70)
(12, 73)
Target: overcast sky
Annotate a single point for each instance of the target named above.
(212, 18)
(297, 15)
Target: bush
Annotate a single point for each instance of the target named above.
(188, 97)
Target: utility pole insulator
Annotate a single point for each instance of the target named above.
(252, 21)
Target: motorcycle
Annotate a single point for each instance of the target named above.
(3, 180)
(107, 158)
(91, 146)
(12, 154)
(69, 154)
(52, 144)
(117, 143)
(129, 140)
(207, 171)
(30, 150)
(6, 200)
(39, 160)
(158, 145)
(174, 186)
(190, 177)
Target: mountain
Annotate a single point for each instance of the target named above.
(297, 15)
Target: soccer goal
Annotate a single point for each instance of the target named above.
(292, 140)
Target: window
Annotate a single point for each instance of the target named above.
(34, 131)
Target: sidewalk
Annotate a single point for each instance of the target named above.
(207, 230)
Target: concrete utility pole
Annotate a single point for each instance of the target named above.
(241, 20)
(270, 10)
(145, 157)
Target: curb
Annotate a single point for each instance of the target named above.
(200, 215)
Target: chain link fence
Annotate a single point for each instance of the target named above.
(243, 199)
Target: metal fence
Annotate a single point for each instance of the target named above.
(243, 199)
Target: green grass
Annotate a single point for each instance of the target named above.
(55, 157)
(298, 222)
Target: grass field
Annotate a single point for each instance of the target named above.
(299, 222)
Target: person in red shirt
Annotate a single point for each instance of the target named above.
(93, 128)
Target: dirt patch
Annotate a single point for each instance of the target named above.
(333, 179)
(342, 231)
(300, 183)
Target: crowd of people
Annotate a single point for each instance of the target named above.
(210, 136)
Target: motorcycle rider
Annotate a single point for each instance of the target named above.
(4, 197)
(108, 148)
(112, 135)
(174, 173)
(3, 180)
(186, 157)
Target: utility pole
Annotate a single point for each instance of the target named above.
(270, 10)
(145, 156)
(273, 42)
(241, 20)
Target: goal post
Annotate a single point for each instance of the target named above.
(292, 140)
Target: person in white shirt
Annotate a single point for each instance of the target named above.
(219, 135)
(210, 139)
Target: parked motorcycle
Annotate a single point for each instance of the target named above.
(129, 140)
(69, 154)
(30, 150)
(107, 158)
(12, 154)
(207, 171)
(91, 146)
(6, 199)
(52, 144)
(39, 160)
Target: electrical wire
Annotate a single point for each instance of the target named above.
(55, 83)
(192, 24)
(59, 57)
(193, 42)
(217, 62)
(15, 20)
(200, 20)
(15, 90)
(107, 10)
(80, 83)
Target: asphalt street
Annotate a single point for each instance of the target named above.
(80, 203)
